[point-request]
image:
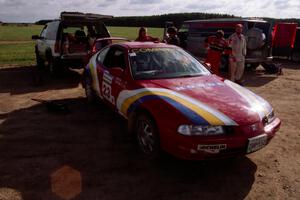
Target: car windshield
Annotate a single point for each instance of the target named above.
(158, 63)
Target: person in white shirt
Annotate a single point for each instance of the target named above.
(237, 42)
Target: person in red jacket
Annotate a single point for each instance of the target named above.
(216, 45)
(143, 37)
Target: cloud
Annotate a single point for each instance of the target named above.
(34, 10)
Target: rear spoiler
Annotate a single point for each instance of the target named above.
(82, 17)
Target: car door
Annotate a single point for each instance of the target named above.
(111, 73)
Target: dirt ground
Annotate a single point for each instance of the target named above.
(85, 154)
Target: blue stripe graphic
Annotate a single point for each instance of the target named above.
(187, 112)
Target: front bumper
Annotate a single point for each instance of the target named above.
(187, 147)
(259, 59)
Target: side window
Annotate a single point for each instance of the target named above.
(43, 33)
(115, 58)
(102, 55)
(52, 31)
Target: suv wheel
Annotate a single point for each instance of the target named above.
(38, 71)
(54, 67)
(296, 56)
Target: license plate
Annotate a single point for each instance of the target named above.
(257, 143)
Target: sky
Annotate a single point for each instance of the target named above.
(34, 10)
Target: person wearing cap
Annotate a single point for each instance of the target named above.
(172, 36)
(237, 42)
(216, 45)
(144, 37)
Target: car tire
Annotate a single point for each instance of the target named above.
(38, 71)
(295, 56)
(89, 92)
(54, 65)
(253, 66)
(147, 136)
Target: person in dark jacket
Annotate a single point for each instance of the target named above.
(172, 36)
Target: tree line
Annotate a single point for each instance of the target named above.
(177, 18)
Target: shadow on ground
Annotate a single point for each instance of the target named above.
(19, 80)
(35, 144)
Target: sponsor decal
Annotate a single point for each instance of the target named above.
(211, 148)
(106, 87)
(195, 110)
(198, 85)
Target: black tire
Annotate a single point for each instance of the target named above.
(253, 66)
(54, 66)
(295, 56)
(147, 136)
(89, 92)
(38, 71)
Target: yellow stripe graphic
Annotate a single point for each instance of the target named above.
(212, 119)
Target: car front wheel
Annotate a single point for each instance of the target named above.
(147, 136)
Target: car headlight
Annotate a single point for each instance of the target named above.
(193, 130)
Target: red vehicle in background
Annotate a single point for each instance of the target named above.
(286, 41)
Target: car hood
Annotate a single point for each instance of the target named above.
(208, 99)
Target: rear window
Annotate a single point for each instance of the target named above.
(184, 28)
(82, 29)
(51, 32)
(205, 29)
(205, 32)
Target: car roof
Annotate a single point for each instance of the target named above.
(227, 20)
(137, 45)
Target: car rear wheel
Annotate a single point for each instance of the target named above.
(89, 92)
(147, 136)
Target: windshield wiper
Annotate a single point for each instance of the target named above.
(189, 75)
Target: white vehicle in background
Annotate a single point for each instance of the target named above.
(66, 41)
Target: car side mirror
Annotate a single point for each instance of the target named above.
(116, 71)
(36, 37)
(207, 65)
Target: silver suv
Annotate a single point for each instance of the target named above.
(258, 33)
(67, 41)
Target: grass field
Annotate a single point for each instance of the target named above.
(17, 48)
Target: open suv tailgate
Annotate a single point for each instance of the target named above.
(82, 17)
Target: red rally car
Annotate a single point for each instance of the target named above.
(174, 104)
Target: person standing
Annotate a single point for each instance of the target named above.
(144, 37)
(172, 36)
(237, 42)
(216, 45)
